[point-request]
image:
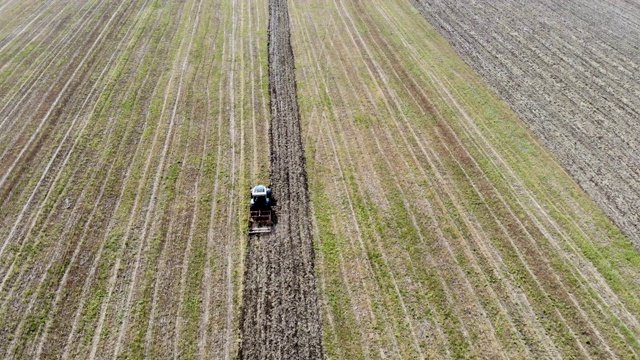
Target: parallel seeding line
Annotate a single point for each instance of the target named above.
(38, 214)
(203, 341)
(108, 175)
(54, 57)
(161, 266)
(109, 228)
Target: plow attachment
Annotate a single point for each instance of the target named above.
(260, 221)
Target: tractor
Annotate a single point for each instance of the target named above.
(261, 212)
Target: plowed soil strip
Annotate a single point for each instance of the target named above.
(280, 315)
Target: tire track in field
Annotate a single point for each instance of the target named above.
(86, 101)
(474, 133)
(192, 227)
(320, 143)
(230, 238)
(325, 302)
(36, 14)
(574, 271)
(11, 2)
(5, 191)
(389, 110)
(84, 235)
(54, 42)
(352, 166)
(280, 315)
(221, 327)
(378, 143)
(136, 207)
(584, 269)
(488, 253)
(35, 150)
(212, 245)
(28, 88)
(347, 76)
(31, 302)
(113, 222)
(59, 152)
(354, 218)
(19, 18)
(373, 69)
(148, 227)
(14, 13)
(39, 185)
(31, 198)
(448, 191)
(254, 47)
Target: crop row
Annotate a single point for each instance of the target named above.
(130, 132)
(444, 227)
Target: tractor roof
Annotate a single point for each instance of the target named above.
(259, 190)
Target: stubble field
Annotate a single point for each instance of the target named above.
(131, 132)
(129, 135)
(444, 228)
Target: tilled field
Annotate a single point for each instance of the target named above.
(280, 315)
(444, 228)
(571, 70)
(129, 133)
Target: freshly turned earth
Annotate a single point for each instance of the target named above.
(280, 318)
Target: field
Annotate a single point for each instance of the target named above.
(430, 222)
(444, 228)
(280, 312)
(130, 134)
(579, 65)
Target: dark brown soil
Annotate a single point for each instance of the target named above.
(571, 70)
(280, 315)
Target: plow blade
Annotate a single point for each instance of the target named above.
(260, 222)
(260, 230)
